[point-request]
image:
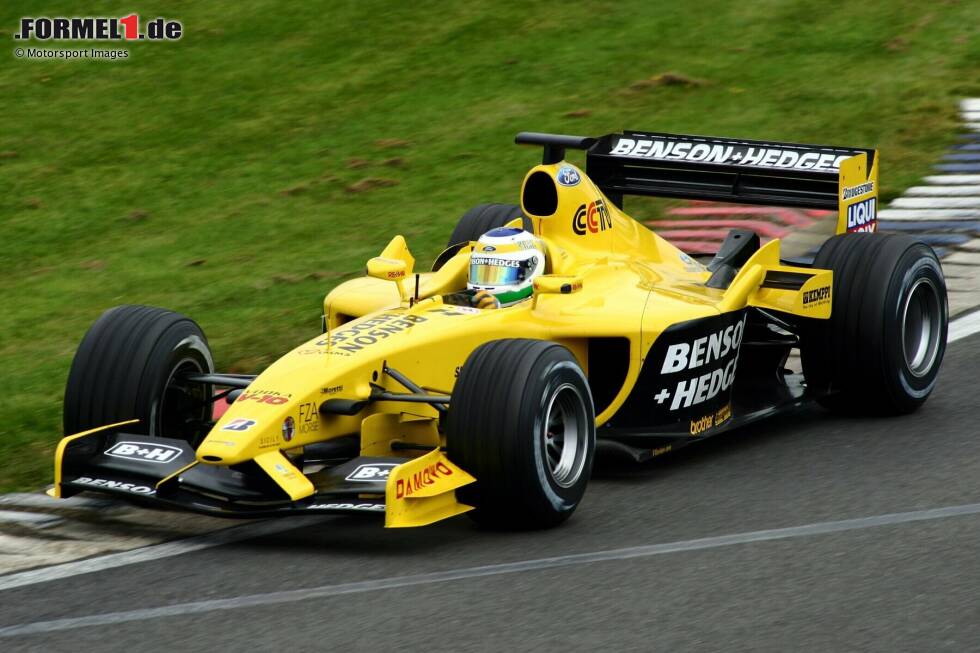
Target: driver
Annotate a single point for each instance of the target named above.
(503, 266)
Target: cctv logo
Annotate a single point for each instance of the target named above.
(591, 218)
(152, 453)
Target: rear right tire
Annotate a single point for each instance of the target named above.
(881, 349)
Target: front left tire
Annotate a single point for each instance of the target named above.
(130, 365)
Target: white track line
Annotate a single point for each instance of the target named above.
(970, 104)
(943, 191)
(963, 326)
(155, 552)
(395, 582)
(953, 179)
(936, 203)
(929, 214)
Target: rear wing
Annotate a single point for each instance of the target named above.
(844, 179)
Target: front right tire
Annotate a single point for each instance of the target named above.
(522, 422)
(129, 365)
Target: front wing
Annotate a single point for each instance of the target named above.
(165, 471)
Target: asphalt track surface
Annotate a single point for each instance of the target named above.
(869, 531)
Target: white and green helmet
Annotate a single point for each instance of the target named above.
(505, 262)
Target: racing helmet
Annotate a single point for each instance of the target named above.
(505, 262)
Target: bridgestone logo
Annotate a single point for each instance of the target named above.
(729, 154)
(857, 191)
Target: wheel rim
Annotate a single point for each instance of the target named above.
(184, 408)
(921, 326)
(565, 435)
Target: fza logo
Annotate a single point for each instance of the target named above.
(239, 424)
(862, 216)
(145, 451)
(591, 218)
(368, 473)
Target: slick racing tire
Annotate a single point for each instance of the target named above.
(880, 351)
(129, 366)
(521, 421)
(478, 221)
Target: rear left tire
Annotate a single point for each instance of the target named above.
(478, 221)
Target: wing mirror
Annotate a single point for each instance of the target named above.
(557, 284)
(389, 269)
(394, 264)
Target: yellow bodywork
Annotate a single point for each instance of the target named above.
(607, 276)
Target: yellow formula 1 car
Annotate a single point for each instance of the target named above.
(419, 406)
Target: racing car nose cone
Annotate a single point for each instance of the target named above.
(219, 451)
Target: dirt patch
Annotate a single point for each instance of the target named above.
(667, 79)
(298, 189)
(370, 183)
(389, 143)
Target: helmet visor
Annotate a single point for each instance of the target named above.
(487, 271)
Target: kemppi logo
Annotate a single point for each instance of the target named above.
(816, 295)
(418, 480)
(591, 218)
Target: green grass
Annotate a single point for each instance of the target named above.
(232, 148)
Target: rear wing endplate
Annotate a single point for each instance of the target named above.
(842, 179)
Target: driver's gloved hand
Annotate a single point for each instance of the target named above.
(483, 299)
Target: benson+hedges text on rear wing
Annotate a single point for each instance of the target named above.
(844, 179)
